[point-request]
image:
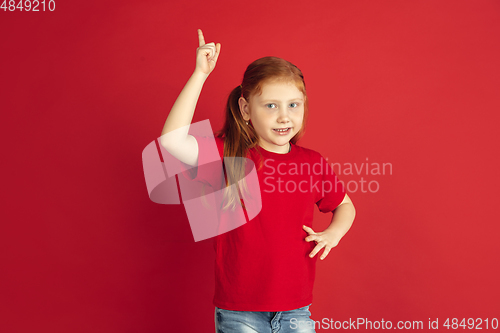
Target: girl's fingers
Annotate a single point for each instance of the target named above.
(211, 46)
(309, 230)
(209, 49)
(325, 253)
(314, 238)
(217, 52)
(201, 39)
(213, 51)
(320, 243)
(208, 52)
(316, 250)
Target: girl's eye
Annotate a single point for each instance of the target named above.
(274, 106)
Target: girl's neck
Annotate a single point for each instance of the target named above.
(275, 152)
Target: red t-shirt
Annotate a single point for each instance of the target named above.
(264, 265)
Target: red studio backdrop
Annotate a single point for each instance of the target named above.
(403, 101)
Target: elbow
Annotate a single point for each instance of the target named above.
(167, 144)
(170, 142)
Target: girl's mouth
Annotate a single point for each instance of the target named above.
(282, 131)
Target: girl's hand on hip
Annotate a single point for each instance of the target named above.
(323, 239)
(206, 55)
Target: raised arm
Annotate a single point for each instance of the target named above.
(178, 143)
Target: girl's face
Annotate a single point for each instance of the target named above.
(276, 114)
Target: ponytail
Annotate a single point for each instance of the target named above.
(239, 138)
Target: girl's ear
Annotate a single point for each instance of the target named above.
(244, 108)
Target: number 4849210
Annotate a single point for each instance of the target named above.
(471, 323)
(28, 5)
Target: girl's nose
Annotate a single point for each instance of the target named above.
(283, 116)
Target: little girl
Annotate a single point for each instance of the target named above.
(264, 269)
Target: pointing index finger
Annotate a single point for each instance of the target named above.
(201, 38)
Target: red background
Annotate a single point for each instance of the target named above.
(85, 88)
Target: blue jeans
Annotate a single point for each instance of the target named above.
(293, 321)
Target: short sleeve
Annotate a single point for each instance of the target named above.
(331, 189)
(209, 169)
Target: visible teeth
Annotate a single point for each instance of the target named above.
(282, 129)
